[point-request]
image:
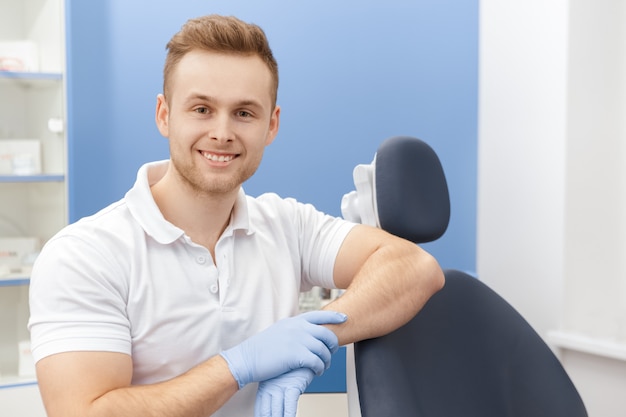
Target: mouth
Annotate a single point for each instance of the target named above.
(218, 157)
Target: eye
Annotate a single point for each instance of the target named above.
(244, 114)
(202, 110)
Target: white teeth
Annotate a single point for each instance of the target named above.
(218, 158)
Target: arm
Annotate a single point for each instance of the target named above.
(86, 384)
(387, 281)
(93, 384)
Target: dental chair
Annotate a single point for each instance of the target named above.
(468, 353)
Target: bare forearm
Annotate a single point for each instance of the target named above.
(198, 393)
(390, 288)
(90, 390)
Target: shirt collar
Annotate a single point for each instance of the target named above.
(240, 219)
(146, 212)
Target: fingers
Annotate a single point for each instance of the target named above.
(320, 317)
(316, 357)
(326, 336)
(323, 341)
(269, 403)
(278, 397)
(262, 406)
(277, 404)
(324, 317)
(291, 401)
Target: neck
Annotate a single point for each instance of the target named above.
(203, 217)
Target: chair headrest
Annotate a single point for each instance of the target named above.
(403, 191)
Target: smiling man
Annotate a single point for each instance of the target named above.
(181, 299)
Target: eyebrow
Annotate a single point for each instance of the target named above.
(210, 99)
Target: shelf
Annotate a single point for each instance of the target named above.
(14, 281)
(32, 178)
(16, 381)
(31, 78)
(33, 106)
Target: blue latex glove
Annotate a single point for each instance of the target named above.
(278, 397)
(292, 343)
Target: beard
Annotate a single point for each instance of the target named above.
(204, 182)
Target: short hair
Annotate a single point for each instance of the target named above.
(225, 34)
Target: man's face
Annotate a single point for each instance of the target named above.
(218, 119)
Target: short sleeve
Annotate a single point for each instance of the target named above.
(77, 300)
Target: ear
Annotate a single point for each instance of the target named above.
(274, 125)
(162, 115)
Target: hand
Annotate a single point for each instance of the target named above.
(278, 397)
(292, 343)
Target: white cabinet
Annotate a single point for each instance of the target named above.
(33, 149)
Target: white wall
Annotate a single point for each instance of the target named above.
(521, 153)
(552, 176)
(595, 220)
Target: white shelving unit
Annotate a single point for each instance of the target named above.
(32, 106)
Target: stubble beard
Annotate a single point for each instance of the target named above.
(203, 183)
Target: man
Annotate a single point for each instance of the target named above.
(181, 297)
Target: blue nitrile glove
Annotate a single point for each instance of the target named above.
(278, 397)
(291, 343)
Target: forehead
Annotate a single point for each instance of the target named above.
(222, 75)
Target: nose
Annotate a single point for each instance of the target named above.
(222, 129)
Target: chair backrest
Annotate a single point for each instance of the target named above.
(468, 353)
(411, 191)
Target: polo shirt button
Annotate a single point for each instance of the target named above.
(213, 288)
(201, 259)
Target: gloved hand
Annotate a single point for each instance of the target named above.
(292, 343)
(278, 397)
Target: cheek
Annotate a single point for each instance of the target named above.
(185, 132)
(255, 153)
(259, 148)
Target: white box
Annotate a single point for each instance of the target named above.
(20, 56)
(17, 252)
(20, 157)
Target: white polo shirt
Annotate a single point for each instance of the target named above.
(126, 280)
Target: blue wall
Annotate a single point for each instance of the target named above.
(352, 74)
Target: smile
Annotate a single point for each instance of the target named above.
(218, 158)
